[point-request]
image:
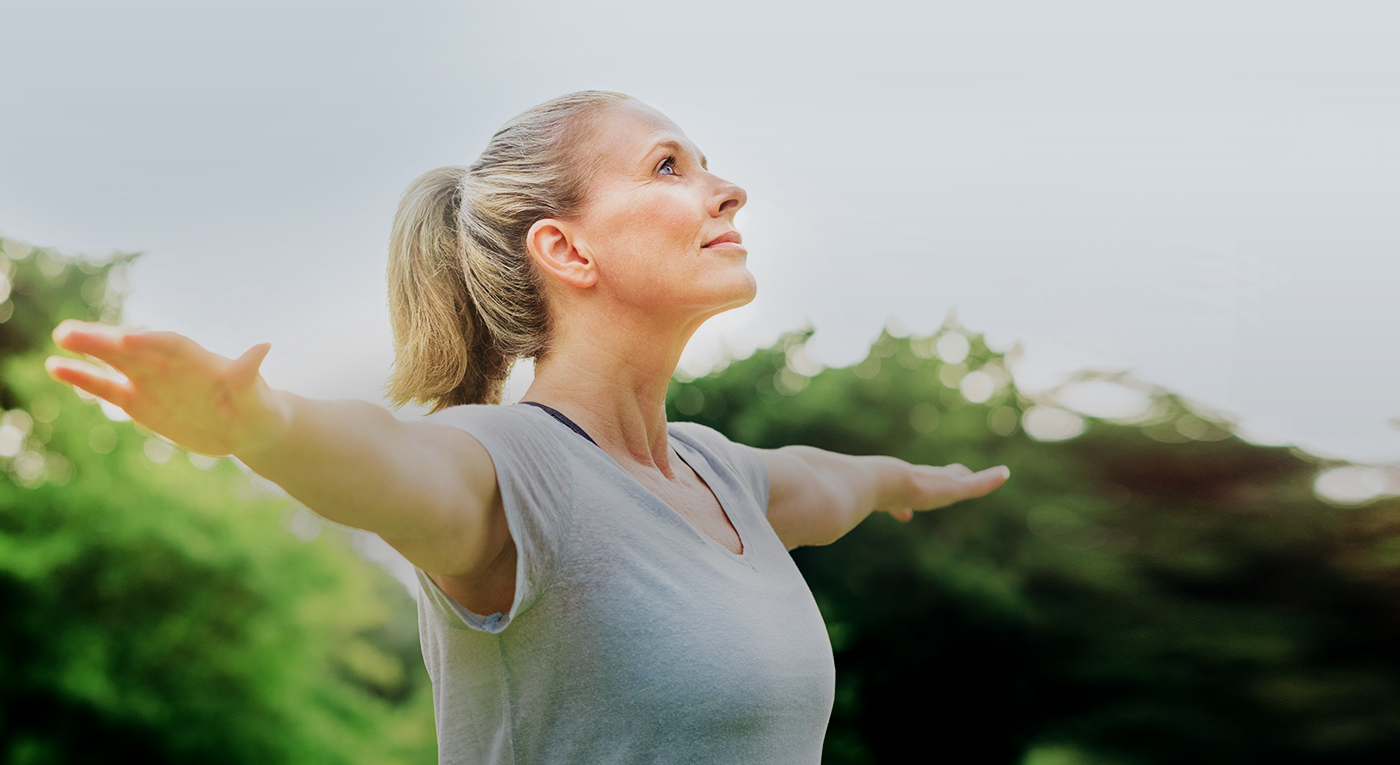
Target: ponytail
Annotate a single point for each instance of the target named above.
(444, 353)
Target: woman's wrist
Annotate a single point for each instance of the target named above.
(269, 426)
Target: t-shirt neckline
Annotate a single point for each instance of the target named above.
(707, 477)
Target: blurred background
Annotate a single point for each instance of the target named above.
(1143, 254)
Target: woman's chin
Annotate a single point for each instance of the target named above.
(715, 297)
(743, 294)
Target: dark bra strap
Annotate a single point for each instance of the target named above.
(556, 414)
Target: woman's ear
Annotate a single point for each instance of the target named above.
(554, 250)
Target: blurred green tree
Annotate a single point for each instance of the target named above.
(155, 605)
(1153, 590)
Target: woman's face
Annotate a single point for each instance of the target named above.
(658, 224)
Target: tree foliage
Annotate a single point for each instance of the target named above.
(1151, 589)
(155, 604)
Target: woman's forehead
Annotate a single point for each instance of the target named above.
(629, 131)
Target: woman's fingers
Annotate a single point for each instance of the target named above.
(100, 341)
(983, 481)
(138, 355)
(944, 486)
(89, 378)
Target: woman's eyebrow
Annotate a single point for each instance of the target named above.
(676, 146)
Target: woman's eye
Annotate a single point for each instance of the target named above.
(668, 166)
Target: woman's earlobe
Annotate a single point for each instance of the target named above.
(555, 252)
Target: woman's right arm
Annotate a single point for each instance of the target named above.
(429, 490)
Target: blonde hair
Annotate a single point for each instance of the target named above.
(465, 300)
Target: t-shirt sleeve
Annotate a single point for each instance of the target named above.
(536, 484)
(743, 461)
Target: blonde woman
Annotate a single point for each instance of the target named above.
(598, 585)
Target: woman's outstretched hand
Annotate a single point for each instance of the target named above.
(815, 496)
(205, 402)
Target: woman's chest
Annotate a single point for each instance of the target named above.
(684, 635)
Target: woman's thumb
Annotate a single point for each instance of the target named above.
(245, 367)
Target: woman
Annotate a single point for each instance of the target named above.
(597, 585)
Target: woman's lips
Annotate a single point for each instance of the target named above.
(726, 241)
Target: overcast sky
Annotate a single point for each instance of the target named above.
(1205, 194)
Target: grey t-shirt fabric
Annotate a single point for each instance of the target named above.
(633, 636)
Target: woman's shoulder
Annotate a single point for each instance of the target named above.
(716, 446)
(703, 437)
(523, 432)
(485, 414)
(488, 417)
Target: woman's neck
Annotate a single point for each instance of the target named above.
(613, 385)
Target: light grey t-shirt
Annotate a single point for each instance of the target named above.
(633, 637)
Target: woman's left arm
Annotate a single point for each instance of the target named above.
(815, 497)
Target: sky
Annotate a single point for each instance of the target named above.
(1202, 194)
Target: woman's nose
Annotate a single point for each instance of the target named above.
(728, 197)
